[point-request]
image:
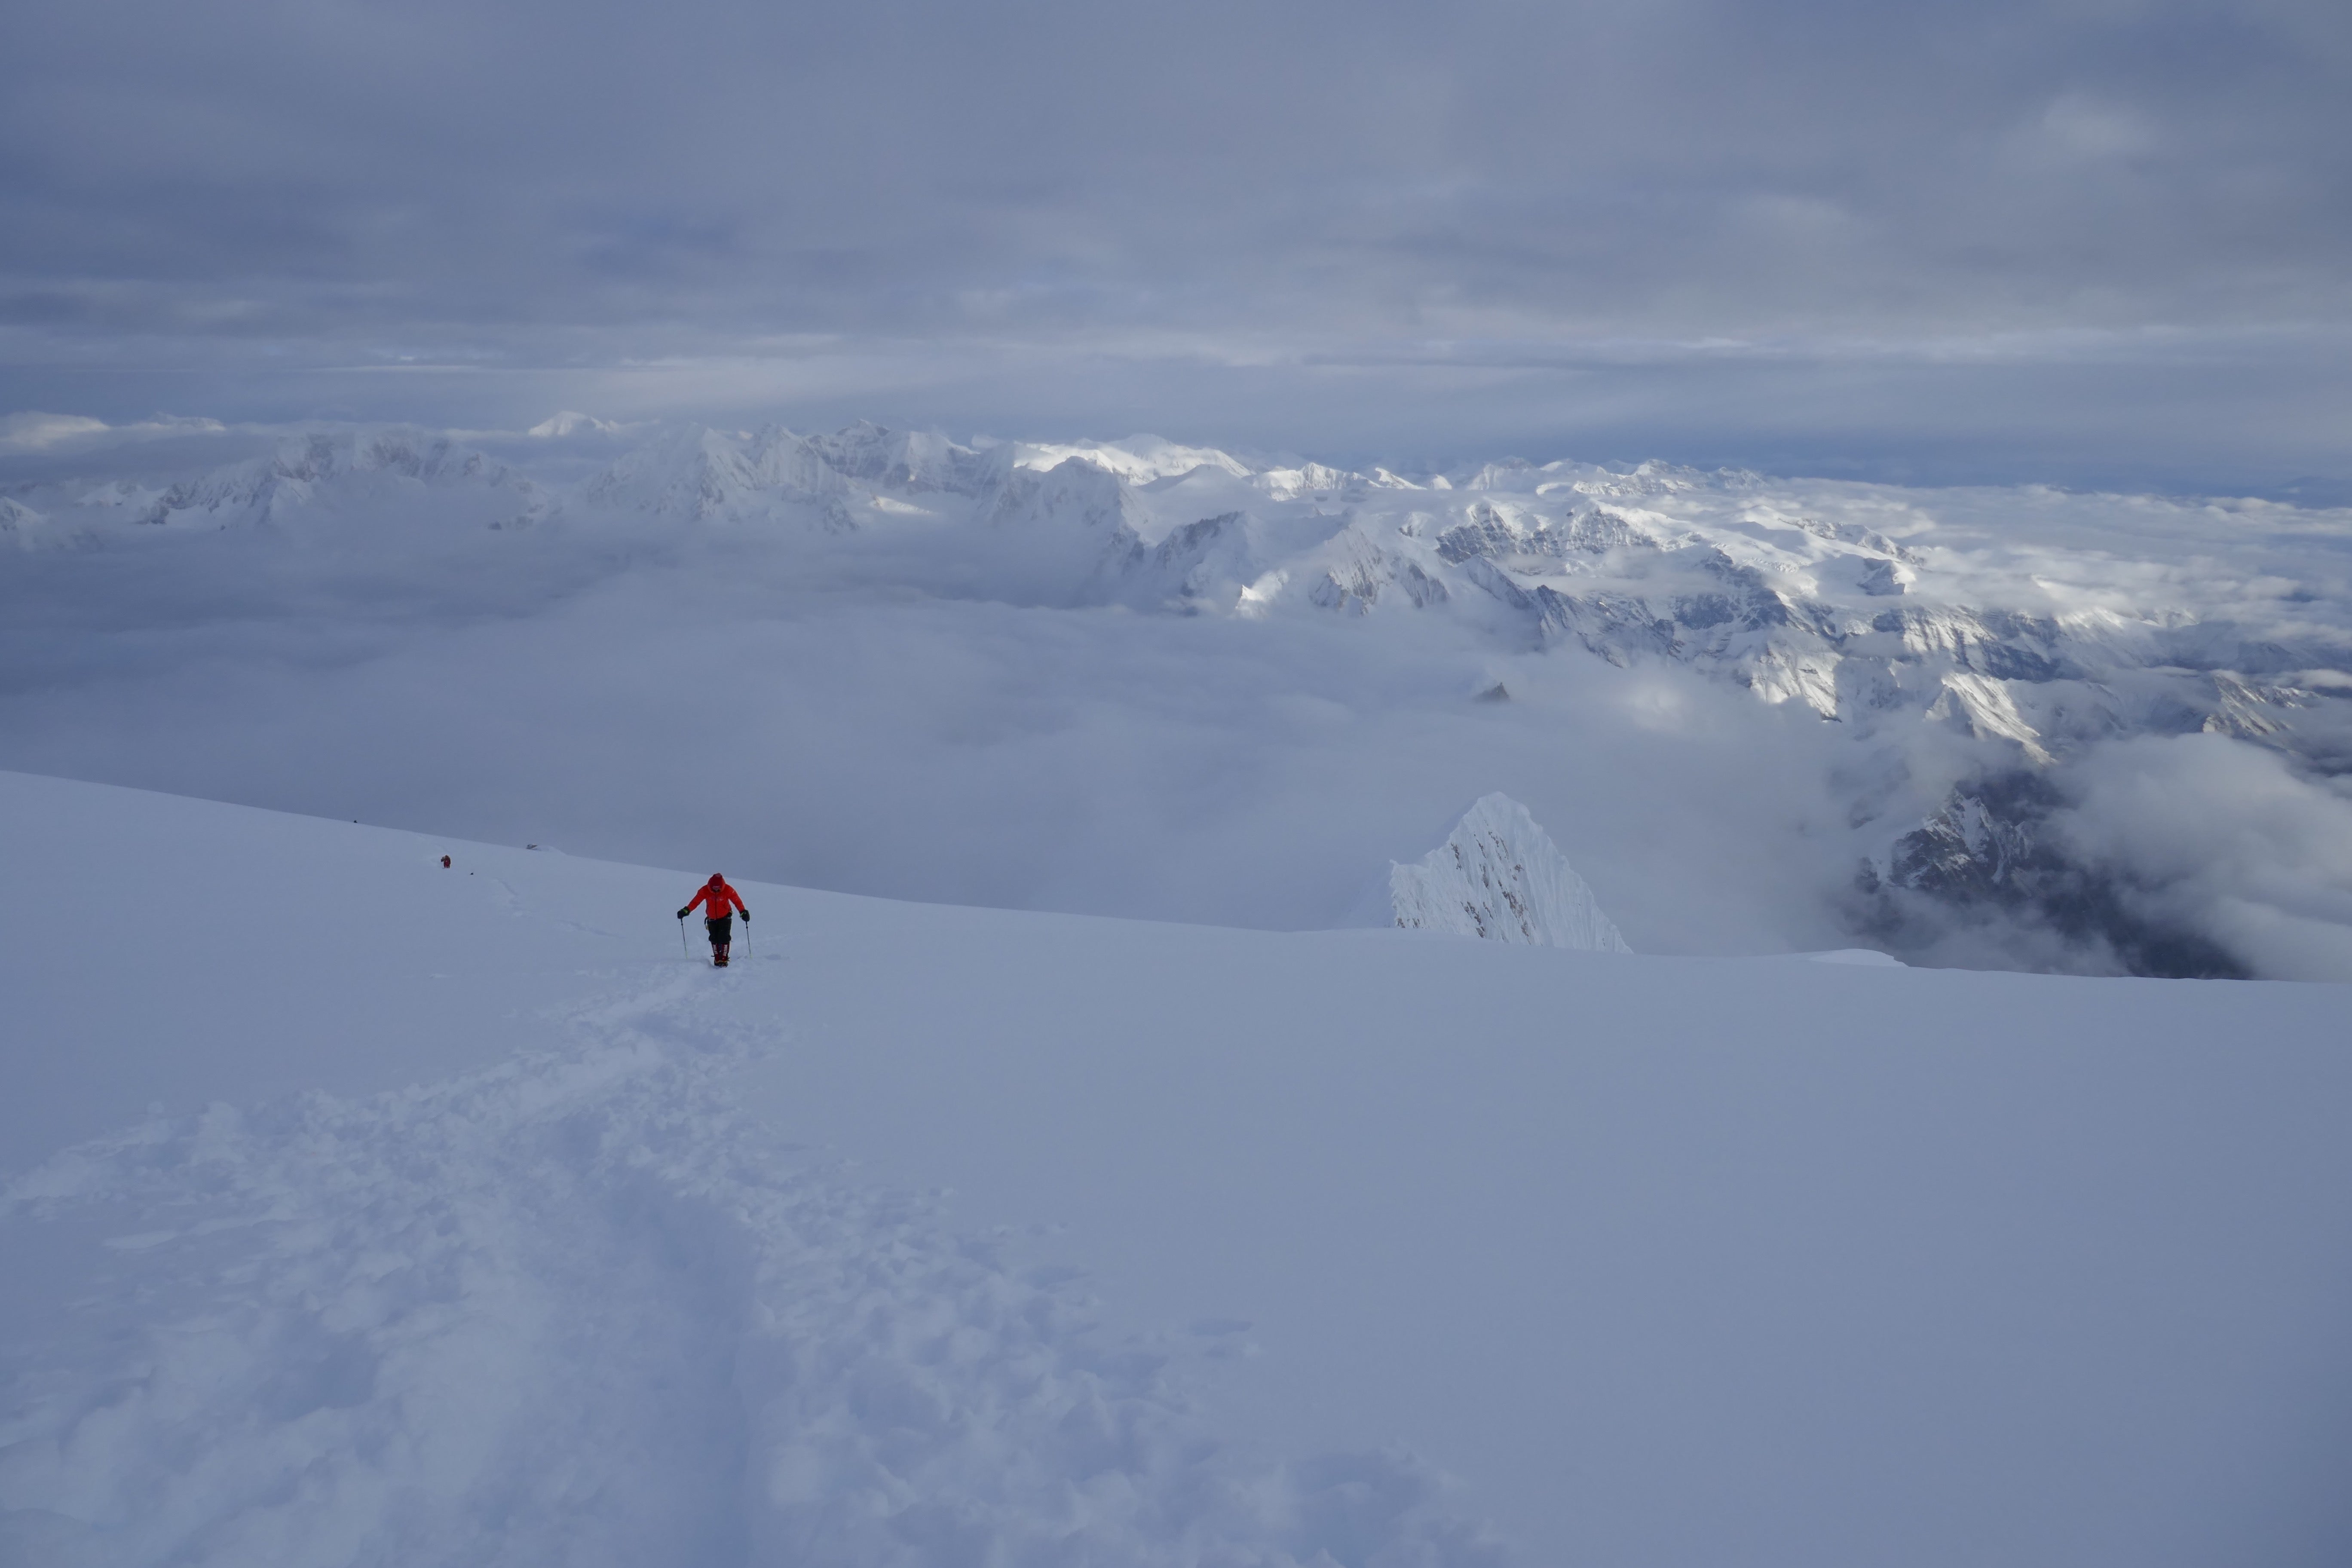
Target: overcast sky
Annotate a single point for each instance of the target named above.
(2091, 240)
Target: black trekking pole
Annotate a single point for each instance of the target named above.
(685, 950)
(747, 933)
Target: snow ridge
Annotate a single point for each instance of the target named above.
(577, 1309)
(1499, 876)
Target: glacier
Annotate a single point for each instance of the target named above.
(1499, 876)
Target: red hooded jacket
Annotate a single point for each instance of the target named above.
(719, 899)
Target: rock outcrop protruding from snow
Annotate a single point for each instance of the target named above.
(1499, 876)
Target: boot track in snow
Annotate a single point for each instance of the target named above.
(578, 1308)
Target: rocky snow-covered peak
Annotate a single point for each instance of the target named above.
(331, 471)
(701, 475)
(1139, 459)
(840, 481)
(570, 422)
(1311, 481)
(914, 461)
(1075, 495)
(1499, 876)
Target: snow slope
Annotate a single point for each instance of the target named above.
(565, 1303)
(470, 1222)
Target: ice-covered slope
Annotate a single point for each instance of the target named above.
(1885, 1264)
(1499, 876)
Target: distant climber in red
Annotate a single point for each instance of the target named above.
(721, 903)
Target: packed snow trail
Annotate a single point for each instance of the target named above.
(577, 1309)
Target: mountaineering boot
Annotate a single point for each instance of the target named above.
(719, 957)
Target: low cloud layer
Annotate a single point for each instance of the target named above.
(716, 705)
(895, 689)
(2230, 839)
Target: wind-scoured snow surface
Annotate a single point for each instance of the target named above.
(359, 1210)
(1990, 727)
(1498, 876)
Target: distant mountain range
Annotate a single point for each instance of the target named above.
(1994, 634)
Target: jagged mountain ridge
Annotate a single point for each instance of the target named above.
(1716, 571)
(1727, 573)
(330, 470)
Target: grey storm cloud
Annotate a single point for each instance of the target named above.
(1629, 219)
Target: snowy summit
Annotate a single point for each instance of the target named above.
(1499, 876)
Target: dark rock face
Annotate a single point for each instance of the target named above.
(1983, 844)
(1485, 534)
(1610, 624)
(1488, 532)
(1993, 852)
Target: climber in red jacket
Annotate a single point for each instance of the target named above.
(720, 904)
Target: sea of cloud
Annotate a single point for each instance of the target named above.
(879, 714)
